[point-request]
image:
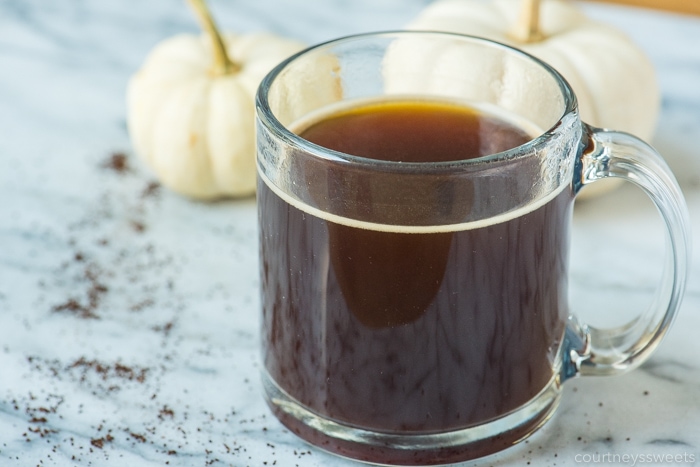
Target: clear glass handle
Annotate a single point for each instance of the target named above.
(592, 351)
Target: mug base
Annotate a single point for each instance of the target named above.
(412, 449)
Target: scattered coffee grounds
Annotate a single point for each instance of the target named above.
(116, 370)
(85, 401)
(165, 329)
(138, 437)
(140, 306)
(118, 162)
(86, 309)
(166, 412)
(73, 306)
(152, 189)
(138, 226)
(100, 442)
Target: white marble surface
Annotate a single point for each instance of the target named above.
(129, 317)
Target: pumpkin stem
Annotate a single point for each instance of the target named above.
(223, 65)
(527, 28)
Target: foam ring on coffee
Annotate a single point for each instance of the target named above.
(418, 229)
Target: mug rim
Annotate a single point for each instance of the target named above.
(267, 117)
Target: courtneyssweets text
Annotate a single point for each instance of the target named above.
(635, 459)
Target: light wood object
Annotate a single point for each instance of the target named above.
(678, 6)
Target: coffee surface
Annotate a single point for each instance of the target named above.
(415, 131)
(417, 332)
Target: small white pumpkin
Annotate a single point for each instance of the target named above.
(612, 78)
(191, 108)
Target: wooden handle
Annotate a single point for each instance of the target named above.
(679, 6)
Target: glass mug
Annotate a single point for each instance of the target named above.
(415, 312)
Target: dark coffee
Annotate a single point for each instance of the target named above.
(397, 331)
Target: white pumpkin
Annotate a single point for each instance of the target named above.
(612, 78)
(191, 108)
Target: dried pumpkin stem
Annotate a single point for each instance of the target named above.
(223, 65)
(527, 28)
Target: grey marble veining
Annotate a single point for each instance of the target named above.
(129, 315)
